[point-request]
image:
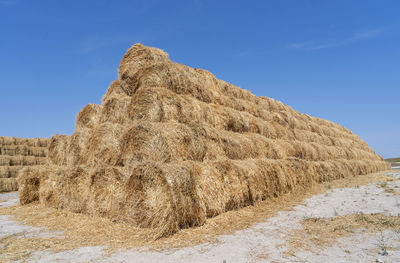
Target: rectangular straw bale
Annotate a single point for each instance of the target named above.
(8, 184)
(31, 142)
(15, 154)
(35, 142)
(5, 160)
(13, 150)
(22, 141)
(20, 160)
(57, 146)
(5, 140)
(9, 171)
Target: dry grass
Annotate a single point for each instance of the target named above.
(9, 171)
(393, 160)
(171, 147)
(20, 160)
(83, 230)
(35, 142)
(24, 150)
(8, 184)
(395, 190)
(319, 232)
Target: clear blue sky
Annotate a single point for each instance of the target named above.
(338, 60)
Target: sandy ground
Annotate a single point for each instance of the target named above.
(264, 242)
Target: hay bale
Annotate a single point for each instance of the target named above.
(15, 154)
(8, 184)
(21, 160)
(171, 146)
(9, 171)
(28, 184)
(13, 150)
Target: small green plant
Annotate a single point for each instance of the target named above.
(382, 246)
(383, 251)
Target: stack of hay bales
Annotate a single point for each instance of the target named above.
(171, 146)
(16, 153)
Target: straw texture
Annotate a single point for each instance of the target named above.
(172, 145)
(15, 154)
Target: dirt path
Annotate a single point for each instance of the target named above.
(357, 224)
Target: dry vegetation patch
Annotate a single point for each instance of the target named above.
(319, 232)
(392, 189)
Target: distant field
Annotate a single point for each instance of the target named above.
(395, 162)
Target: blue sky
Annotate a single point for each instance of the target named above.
(338, 60)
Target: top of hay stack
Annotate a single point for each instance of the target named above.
(154, 97)
(172, 145)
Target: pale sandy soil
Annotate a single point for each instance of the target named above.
(270, 241)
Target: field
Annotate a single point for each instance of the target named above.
(394, 162)
(347, 220)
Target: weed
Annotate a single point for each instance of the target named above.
(382, 246)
